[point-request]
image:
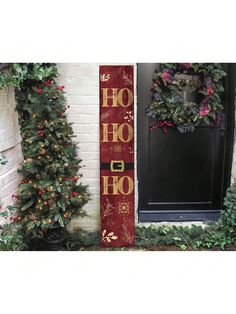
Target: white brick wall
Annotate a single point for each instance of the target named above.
(81, 83)
(234, 153)
(9, 146)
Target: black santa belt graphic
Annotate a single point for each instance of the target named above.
(117, 166)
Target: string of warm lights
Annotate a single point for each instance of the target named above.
(50, 191)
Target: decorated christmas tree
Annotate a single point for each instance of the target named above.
(50, 192)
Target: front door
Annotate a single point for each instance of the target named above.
(183, 177)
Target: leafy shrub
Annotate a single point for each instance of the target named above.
(184, 237)
(11, 233)
(80, 238)
(228, 216)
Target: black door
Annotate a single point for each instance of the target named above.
(183, 177)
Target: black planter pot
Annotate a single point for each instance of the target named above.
(54, 239)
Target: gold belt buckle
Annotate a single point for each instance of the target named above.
(119, 163)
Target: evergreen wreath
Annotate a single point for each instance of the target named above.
(168, 106)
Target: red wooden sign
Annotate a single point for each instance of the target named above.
(117, 155)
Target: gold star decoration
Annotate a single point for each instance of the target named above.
(123, 207)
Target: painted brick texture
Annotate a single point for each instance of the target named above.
(9, 146)
(81, 83)
(234, 154)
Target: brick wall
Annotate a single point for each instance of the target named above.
(9, 146)
(81, 83)
(82, 90)
(234, 154)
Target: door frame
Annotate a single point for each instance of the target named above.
(145, 215)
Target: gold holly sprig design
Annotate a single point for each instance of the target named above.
(129, 117)
(108, 237)
(107, 208)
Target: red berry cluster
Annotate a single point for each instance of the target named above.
(209, 91)
(14, 218)
(48, 83)
(38, 90)
(24, 182)
(74, 193)
(40, 133)
(72, 179)
(60, 87)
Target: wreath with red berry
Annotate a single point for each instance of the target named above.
(186, 95)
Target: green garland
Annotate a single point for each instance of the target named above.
(16, 73)
(168, 106)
